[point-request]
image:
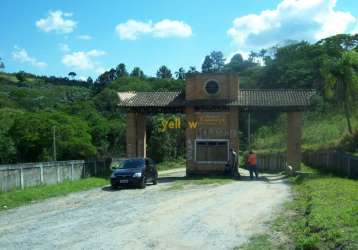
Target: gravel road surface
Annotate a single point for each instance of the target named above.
(196, 217)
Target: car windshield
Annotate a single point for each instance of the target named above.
(134, 163)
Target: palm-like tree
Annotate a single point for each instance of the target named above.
(341, 81)
(72, 74)
(180, 74)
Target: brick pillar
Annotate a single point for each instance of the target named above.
(294, 155)
(131, 135)
(190, 134)
(234, 86)
(234, 128)
(141, 135)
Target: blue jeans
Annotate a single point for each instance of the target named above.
(253, 169)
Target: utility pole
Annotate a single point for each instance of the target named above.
(249, 130)
(54, 142)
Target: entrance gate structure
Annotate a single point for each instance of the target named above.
(212, 102)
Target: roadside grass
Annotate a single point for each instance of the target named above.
(322, 215)
(261, 241)
(167, 165)
(182, 182)
(17, 198)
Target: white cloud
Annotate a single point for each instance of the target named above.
(64, 47)
(309, 20)
(83, 60)
(171, 28)
(57, 22)
(22, 56)
(84, 37)
(132, 29)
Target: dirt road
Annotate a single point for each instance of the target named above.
(196, 217)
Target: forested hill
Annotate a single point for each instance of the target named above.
(88, 124)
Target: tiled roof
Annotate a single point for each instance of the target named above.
(150, 99)
(274, 97)
(247, 98)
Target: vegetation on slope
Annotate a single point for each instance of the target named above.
(321, 129)
(322, 215)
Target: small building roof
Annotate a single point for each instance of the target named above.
(282, 99)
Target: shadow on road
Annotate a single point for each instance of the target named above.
(169, 179)
(124, 187)
(110, 189)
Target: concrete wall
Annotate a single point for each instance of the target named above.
(20, 176)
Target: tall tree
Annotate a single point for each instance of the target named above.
(218, 60)
(207, 65)
(341, 80)
(180, 74)
(112, 75)
(2, 65)
(238, 64)
(192, 70)
(137, 72)
(106, 78)
(72, 74)
(89, 80)
(20, 76)
(164, 72)
(121, 70)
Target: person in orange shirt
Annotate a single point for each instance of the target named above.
(252, 161)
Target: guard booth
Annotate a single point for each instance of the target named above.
(212, 103)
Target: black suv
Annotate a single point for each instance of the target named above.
(134, 171)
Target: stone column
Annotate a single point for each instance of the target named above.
(294, 155)
(141, 135)
(190, 134)
(234, 128)
(131, 135)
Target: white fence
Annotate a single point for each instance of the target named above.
(20, 176)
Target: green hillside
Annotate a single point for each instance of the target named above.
(321, 129)
(83, 115)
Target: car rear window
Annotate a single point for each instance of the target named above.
(130, 163)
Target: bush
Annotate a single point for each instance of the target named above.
(349, 142)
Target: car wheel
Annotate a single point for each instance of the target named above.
(143, 183)
(114, 186)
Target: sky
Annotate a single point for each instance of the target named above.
(88, 37)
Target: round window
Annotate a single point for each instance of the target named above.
(212, 87)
